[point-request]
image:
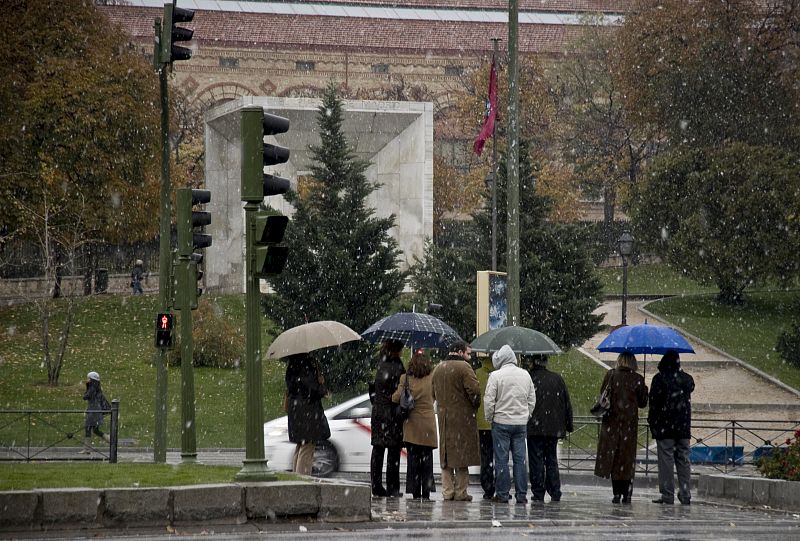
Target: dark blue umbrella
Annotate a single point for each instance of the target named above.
(645, 339)
(413, 329)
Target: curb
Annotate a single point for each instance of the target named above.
(751, 491)
(86, 508)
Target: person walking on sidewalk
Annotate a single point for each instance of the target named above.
(670, 420)
(508, 404)
(305, 389)
(551, 420)
(96, 405)
(387, 426)
(458, 395)
(419, 430)
(137, 275)
(617, 441)
(485, 432)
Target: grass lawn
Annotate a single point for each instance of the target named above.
(102, 475)
(113, 335)
(651, 279)
(749, 331)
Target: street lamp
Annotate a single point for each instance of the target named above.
(625, 246)
(490, 184)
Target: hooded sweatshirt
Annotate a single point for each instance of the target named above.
(510, 397)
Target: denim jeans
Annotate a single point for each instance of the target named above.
(510, 437)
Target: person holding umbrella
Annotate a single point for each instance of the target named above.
(387, 427)
(550, 421)
(617, 442)
(670, 420)
(305, 388)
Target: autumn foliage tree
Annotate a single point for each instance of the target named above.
(78, 136)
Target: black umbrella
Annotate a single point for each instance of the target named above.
(413, 329)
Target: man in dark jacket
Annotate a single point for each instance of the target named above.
(670, 420)
(551, 420)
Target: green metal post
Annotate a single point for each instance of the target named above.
(255, 466)
(512, 167)
(164, 260)
(185, 276)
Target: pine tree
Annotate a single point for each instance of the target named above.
(342, 262)
(559, 288)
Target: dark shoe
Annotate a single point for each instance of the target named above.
(662, 501)
(626, 500)
(555, 498)
(498, 499)
(686, 502)
(394, 495)
(535, 499)
(522, 500)
(379, 492)
(464, 498)
(488, 496)
(615, 499)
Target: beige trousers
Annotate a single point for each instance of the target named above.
(304, 458)
(454, 483)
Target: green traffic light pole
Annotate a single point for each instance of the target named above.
(512, 182)
(254, 467)
(164, 257)
(187, 285)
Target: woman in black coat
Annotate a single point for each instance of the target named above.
(387, 427)
(305, 388)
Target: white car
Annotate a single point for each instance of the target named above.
(348, 449)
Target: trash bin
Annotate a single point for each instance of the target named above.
(101, 281)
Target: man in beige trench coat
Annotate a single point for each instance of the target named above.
(458, 395)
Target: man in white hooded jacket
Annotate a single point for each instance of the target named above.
(508, 404)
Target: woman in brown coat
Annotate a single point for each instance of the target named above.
(419, 430)
(617, 444)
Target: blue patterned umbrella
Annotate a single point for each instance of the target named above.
(645, 339)
(413, 329)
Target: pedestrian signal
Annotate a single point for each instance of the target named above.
(164, 327)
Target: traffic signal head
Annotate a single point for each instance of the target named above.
(164, 327)
(255, 125)
(169, 52)
(190, 240)
(270, 258)
(188, 219)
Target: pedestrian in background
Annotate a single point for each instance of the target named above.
(485, 432)
(419, 430)
(508, 404)
(551, 420)
(670, 420)
(137, 275)
(96, 405)
(458, 394)
(617, 442)
(305, 389)
(387, 426)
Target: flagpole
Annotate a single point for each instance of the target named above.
(494, 172)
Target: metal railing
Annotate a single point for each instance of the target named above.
(722, 445)
(52, 435)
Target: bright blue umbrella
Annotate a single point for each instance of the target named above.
(413, 329)
(645, 339)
